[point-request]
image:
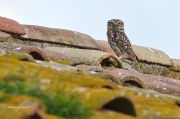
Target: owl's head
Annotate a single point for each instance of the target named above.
(115, 24)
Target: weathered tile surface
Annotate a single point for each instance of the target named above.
(57, 66)
(66, 37)
(176, 64)
(11, 26)
(90, 57)
(4, 35)
(151, 82)
(42, 54)
(104, 46)
(152, 55)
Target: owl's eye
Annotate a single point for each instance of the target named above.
(120, 24)
(110, 24)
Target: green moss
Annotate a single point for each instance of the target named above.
(174, 68)
(71, 42)
(2, 39)
(175, 74)
(153, 69)
(13, 78)
(58, 104)
(50, 85)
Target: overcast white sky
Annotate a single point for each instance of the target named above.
(150, 23)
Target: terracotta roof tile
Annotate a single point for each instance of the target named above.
(42, 54)
(150, 55)
(66, 37)
(11, 26)
(90, 57)
(152, 82)
(4, 35)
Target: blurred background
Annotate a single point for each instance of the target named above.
(148, 23)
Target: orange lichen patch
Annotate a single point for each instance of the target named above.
(106, 114)
(47, 116)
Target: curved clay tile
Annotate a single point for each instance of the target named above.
(129, 102)
(61, 36)
(4, 35)
(132, 81)
(57, 66)
(42, 54)
(144, 54)
(105, 76)
(20, 56)
(152, 55)
(104, 46)
(152, 82)
(90, 57)
(11, 26)
(33, 51)
(122, 105)
(176, 64)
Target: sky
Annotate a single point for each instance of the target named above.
(148, 23)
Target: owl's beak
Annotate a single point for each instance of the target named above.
(115, 26)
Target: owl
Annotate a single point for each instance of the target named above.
(118, 40)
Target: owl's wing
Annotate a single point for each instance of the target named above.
(123, 41)
(110, 36)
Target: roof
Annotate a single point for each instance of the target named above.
(45, 71)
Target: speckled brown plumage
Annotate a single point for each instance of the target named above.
(118, 40)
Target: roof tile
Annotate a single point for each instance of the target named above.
(90, 57)
(61, 36)
(11, 26)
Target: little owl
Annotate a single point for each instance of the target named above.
(118, 40)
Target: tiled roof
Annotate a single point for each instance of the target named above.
(61, 65)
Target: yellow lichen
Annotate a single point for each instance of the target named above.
(19, 56)
(62, 61)
(88, 89)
